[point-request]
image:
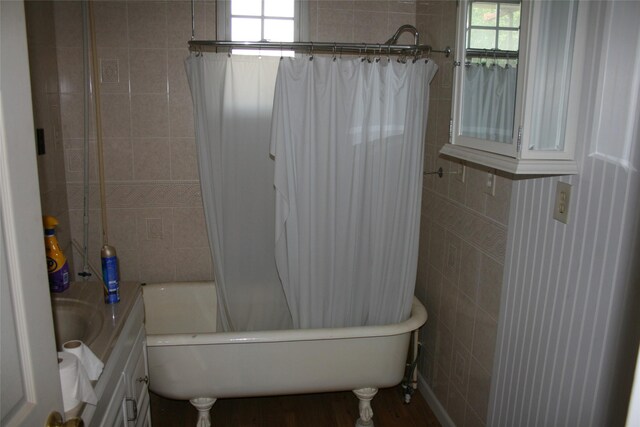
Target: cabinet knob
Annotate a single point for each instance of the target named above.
(144, 379)
(55, 420)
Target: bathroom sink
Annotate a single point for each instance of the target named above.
(75, 320)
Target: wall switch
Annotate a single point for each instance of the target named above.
(563, 198)
(490, 184)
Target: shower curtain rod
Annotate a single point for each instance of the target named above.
(319, 47)
(387, 48)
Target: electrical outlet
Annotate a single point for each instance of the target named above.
(490, 185)
(461, 172)
(563, 198)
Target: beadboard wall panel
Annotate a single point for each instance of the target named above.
(568, 334)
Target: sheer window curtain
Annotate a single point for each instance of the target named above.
(489, 102)
(233, 99)
(347, 137)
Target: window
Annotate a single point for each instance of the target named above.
(493, 26)
(260, 20)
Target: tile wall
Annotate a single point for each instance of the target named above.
(462, 250)
(352, 21)
(155, 214)
(46, 113)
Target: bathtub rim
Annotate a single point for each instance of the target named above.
(417, 318)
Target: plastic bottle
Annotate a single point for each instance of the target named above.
(110, 274)
(57, 265)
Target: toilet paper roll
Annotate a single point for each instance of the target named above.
(74, 381)
(89, 360)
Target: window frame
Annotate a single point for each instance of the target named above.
(497, 28)
(300, 20)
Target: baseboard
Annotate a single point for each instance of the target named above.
(434, 403)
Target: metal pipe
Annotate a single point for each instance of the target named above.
(85, 274)
(99, 139)
(193, 19)
(402, 29)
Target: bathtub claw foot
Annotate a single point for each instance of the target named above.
(203, 405)
(365, 395)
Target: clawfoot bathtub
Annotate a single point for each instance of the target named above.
(189, 360)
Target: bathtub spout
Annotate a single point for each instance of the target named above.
(203, 405)
(366, 412)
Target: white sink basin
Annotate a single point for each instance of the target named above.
(75, 320)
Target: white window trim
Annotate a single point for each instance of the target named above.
(497, 28)
(300, 21)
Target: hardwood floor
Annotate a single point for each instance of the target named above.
(309, 410)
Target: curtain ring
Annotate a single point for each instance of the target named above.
(364, 45)
(334, 52)
(311, 52)
(281, 54)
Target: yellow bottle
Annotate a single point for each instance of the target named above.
(57, 264)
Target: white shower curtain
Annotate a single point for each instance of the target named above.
(347, 137)
(233, 98)
(489, 95)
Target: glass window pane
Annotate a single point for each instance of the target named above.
(508, 39)
(278, 30)
(246, 29)
(509, 15)
(280, 8)
(482, 39)
(246, 7)
(484, 14)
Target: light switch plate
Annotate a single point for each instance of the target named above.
(563, 199)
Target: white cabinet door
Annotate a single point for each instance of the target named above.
(30, 384)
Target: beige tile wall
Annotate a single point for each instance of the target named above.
(45, 92)
(155, 215)
(359, 21)
(462, 249)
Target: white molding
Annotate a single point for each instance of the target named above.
(301, 20)
(509, 164)
(433, 402)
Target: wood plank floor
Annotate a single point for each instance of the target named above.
(309, 410)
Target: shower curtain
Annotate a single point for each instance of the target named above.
(347, 137)
(489, 95)
(233, 98)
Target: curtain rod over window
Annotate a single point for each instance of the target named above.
(388, 48)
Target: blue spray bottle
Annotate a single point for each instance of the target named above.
(110, 275)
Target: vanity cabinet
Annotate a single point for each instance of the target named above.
(122, 390)
(537, 133)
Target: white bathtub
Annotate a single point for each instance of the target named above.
(188, 359)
